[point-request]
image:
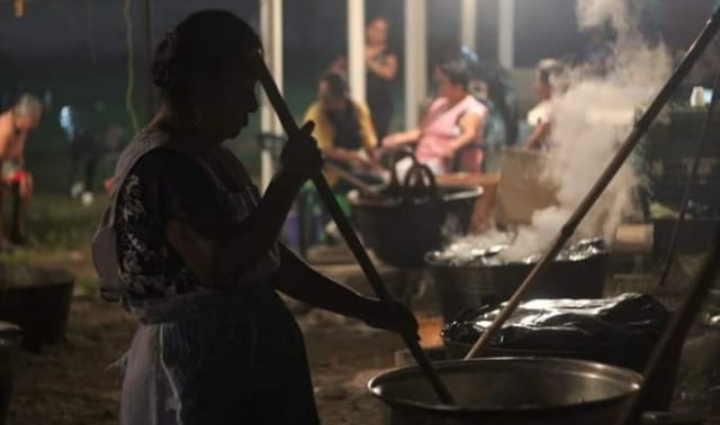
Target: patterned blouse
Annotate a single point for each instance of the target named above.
(162, 185)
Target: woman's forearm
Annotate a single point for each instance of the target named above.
(402, 138)
(298, 280)
(338, 154)
(383, 71)
(255, 236)
(540, 132)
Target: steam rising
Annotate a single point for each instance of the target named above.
(593, 13)
(590, 121)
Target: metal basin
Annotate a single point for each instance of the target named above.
(38, 300)
(401, 232)
(509, 391)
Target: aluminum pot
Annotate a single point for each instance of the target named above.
(402, 231)
(509, 391)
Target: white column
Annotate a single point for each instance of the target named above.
(271, 23)
(506, 36)
(416, 69)
(356, 48)
(468, 23)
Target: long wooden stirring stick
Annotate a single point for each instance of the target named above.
(677, 331)
(626, 149)
(343, 224)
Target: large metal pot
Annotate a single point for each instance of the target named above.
(401, 231)
(10, 337)
(464, 287)
(38, 300)
(509, 391)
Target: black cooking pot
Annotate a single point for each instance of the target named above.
(401, 232)
(621, 332)
(38, 300)
(509, 391)
(409, 220)
(467, 287)
(10, 336)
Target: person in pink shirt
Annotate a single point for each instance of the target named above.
(15, 124)
(451, 133)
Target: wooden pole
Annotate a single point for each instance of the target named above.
(356, 49)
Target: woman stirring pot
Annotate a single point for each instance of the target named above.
(191, 249)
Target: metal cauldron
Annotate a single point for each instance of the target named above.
(509, 391)
(466, 287)
(38, 300)
(401, 231)
(408, 220)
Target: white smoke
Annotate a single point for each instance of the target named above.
(590, 120)
(593, 13)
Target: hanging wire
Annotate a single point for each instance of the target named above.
(127, 12)
(689, 183)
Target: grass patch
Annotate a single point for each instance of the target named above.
(61, 230)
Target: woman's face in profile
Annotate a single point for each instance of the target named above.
(230, 99)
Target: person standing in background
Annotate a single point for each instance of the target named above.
(541, 116)
(15, 125)
(382, 64)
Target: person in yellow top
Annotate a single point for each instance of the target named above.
(344, 131)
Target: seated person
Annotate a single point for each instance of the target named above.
(540, 117)
(453, 127)
(344, 131)
(15, 125)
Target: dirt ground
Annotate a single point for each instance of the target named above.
(73, 384)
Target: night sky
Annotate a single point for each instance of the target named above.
(54, 28)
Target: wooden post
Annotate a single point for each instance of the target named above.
(416, 66)
(506, 36)
(468, 23)
(271, 23)
(356, 48)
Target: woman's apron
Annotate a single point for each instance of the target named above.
(212, 357)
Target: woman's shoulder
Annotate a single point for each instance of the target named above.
(437, 103)
(475, 106)
(166, 167)
(164, 159)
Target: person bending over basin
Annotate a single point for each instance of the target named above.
(344, 132)
(15, 125)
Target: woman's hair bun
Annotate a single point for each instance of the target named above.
(162, 62)
(205, 45)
